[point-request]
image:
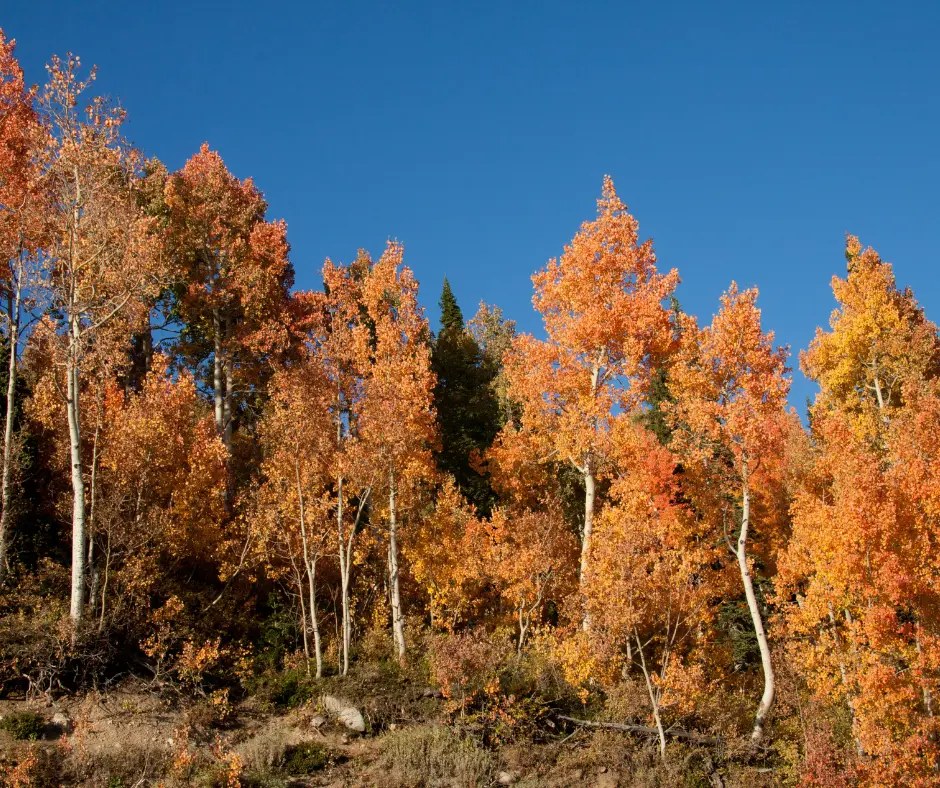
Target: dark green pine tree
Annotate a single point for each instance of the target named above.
(467, 407)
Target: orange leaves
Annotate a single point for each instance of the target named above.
(396, 426)
(161, 453)
(730, 382)
(602, 306)
(860, 578)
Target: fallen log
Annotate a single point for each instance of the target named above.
(676, 733)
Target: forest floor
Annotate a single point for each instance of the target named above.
(134, 736)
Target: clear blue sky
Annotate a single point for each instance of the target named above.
(746, 137)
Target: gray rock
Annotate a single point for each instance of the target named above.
(344, 712)
(506, 778)
(61, 721)
(317, 721)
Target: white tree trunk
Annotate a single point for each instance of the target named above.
(78, 481)
(227, 410)
(14, 316)
(314, 620)
(343, 576)
(310, 564)
(654, 697)
(398, 624)
(767, 698)
(589, 500)
(217, 392)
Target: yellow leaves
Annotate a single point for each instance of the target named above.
(879, 340)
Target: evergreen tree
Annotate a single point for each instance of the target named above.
(467, 405)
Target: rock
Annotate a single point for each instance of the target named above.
(431, 692)
(345, 712)
(506, 778)
(317, 721)
(602, 770)
(61, 721)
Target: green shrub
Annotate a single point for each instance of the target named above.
(24, 725)
(305, 758)
(291, 689)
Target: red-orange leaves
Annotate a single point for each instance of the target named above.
(602, 304)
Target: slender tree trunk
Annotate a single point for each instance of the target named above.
(343, 577)
(314, 619)
(78, 481)
(298, 576)
(13, 303)
(217, 392)
(523, 628)
(767, 698)
(398, 625)
(227, 410)
(654, 697)
(104, 585)
(310, 564)
(93, 570)
(590, 496)
(589, 499)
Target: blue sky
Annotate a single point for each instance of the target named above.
(747, 138)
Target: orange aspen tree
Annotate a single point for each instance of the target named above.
(397, 426)
(100, 268)
(730, 386)
(297, 440)
(20, 231)
(648, 596)
(161, 487)
(860, 579)
(351, 480)
(532, 558)
(235, 277)
(602, 305)
(448, 558)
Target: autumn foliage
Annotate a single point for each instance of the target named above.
(210, 477)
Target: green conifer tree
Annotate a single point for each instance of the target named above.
(467, 406)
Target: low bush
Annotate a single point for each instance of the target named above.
(305, 758)
(433, 757)
(24, 725)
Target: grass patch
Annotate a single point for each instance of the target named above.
(434, 757)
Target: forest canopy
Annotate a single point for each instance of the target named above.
(210, 476)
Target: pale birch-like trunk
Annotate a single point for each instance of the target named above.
(767, 698)
(13, 304)
(398, 624)
(343, 577)
(590, 496)
(654, 696)
(228, 405)
(314, 619)
(217, 392)
(298, 576)
(78, 481)
(310, 564)
(93, 586)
